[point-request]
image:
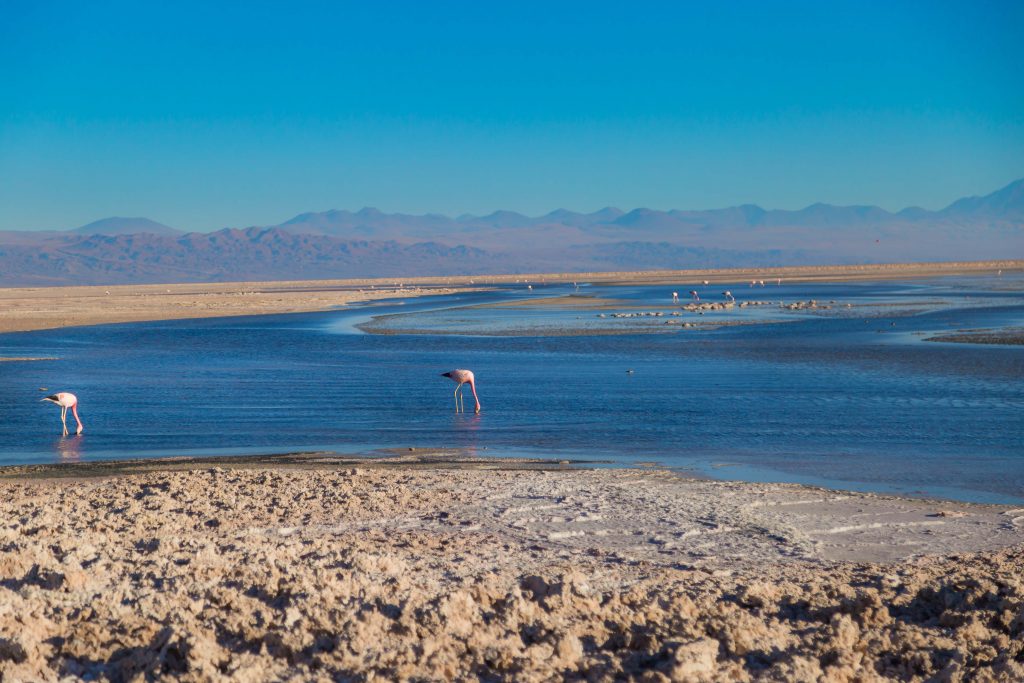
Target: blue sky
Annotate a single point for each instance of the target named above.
(206, 115)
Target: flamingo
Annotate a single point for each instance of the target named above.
(695, 295)
(675, 297)
(461, 377)
(65, 401)
(729, 296)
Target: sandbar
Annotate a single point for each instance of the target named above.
(1010, 335)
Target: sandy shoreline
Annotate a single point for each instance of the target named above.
(444, 568)
(38, 308)
(34, 308)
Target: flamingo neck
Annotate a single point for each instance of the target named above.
(74, 411)
(472, 387)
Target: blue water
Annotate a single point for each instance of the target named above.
(850, 398)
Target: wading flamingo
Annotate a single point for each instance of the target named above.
(461, 377)
(729, 296)
(65, 401)
(695, 295)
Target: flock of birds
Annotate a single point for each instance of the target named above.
(727, 294)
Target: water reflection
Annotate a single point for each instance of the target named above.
(467, 426)
(69, 448)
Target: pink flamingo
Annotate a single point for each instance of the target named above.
(461, 377)
(695, 295)
(65, 401)
(729, 296)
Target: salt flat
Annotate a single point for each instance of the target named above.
(435, 568)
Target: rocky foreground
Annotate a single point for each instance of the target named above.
(377, 573)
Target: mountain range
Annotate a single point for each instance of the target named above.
(371, 243)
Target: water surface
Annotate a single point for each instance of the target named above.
(845, 397)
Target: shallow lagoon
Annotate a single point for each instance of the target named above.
(845, 397)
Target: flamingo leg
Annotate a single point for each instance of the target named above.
(462, 400)
(64, 419)
(457, 398)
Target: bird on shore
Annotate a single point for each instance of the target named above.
(461, 377)
(66, 400)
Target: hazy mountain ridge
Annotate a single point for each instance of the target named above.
(117, 225)
(368, 242)
(229, 254)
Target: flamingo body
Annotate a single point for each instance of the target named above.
(66, 400)
(461, 377)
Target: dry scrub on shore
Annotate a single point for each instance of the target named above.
(339, 574)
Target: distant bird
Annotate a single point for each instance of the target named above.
(675, 297)
(695, 295)
(461, 377)
(65, 401)
(706, 282)
(729, 296)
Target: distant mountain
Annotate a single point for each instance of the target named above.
(125, 226)
(369, 242)
(650, 219)
(368, 223)
(225, 255)
(1007, 203)
(502, 219)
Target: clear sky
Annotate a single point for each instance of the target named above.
(203, 115)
